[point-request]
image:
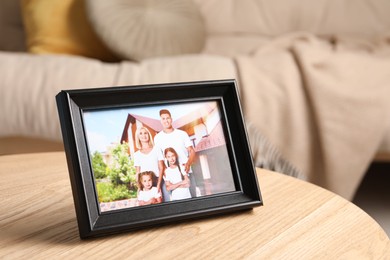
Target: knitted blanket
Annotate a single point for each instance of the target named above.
(324, 106)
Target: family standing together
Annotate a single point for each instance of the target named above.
(163, 165)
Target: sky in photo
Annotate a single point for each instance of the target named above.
(104, 127)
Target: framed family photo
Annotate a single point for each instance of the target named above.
(146, 155)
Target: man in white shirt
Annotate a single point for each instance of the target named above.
(180, 141)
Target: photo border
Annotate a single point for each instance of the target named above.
(91, 222)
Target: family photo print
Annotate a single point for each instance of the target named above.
(146, 155)
(156, 154)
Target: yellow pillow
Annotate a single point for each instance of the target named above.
(61, 26)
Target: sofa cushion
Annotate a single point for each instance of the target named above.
(140, 29)
(27, 98)
(61, 26)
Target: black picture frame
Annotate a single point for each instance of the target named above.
(92, 222)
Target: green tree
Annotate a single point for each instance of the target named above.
(98, 166)
(122, 170)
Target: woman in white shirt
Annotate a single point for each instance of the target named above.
(147, 158)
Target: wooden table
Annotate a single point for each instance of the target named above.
(298, 220)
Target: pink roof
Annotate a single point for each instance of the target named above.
(156, 124)
(151, 122)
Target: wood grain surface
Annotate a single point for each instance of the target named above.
(298, 221)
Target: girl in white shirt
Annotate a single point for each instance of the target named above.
(147, 194)
(176, 180)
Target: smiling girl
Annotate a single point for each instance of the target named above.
(176, 180)
(147, 194)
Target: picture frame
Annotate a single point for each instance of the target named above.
(220, 176)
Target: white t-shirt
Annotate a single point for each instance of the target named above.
(149, 194)
(148, 162)
(178, 140)
(174, 176)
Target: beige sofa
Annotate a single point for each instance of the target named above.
(314, 79)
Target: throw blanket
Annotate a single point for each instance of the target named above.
(325, 106)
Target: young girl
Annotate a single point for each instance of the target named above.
(147, 194)
(176, 180)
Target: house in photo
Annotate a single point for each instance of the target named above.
(211, 166)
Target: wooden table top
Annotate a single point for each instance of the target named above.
(298, 220)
